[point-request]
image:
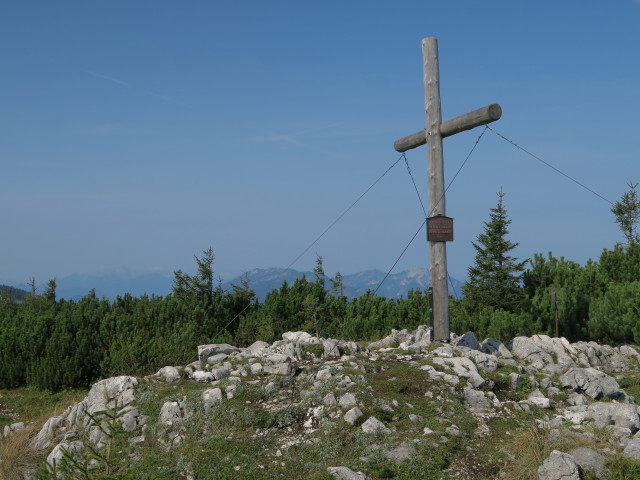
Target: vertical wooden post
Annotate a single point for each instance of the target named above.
(435, 174)
(554, 305)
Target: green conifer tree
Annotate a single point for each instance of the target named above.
(50, 293)
(494, 280)
(318, 271)
(199, 285)
(337, 285)
(627, 212)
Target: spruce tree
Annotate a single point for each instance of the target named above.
(627, 212)
(494, 280)
(50, 293)
(318, 271)
(337, 285)
(199, 285)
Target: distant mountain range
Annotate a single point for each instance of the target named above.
(110, 285)
(397, 285)
(261, 280)
(13, 293)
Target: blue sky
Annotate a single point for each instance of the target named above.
(136, 134)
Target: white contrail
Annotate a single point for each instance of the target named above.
(128, 85)
(105, 77)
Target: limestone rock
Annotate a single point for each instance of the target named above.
(618, 414)
(423, 335)
(255, 348)
(48, 431)
(210, 397)
(170, 374)
(14, 427)
(484, 361)
(278, 364)
(202, 376)
(396, 338)
(129, 418)
(467, 340)
(303, 338)
(592, 383)
(495, 347)
(530, 352)
(347, 400)
(55, 457)
(604, 357)
(589, 459)
(217, 358)
(516, 380)
(576, 415)
(476, 401)
(293, 351)
(352, 415)
(452, 430)
(172, 412)
(445, 351)
(576, 399)
(436, 375)
(463, 367)
(554, 354)
(632, 450)
(220, 372)
(256, 368)
(374, 426)
(331, 348)
(206, 351)
(537, 398)
(329, 400)
(111, 393)
(559, 466)
(344, 473)
(401, 453)
(324, 374)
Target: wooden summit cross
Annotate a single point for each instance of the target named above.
(437, 130)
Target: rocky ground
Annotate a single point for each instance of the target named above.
(403, 407)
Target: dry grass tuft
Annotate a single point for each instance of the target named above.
(16, 454)
(531, 447)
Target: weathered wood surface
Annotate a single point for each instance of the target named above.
(481, 116)
(435, 174)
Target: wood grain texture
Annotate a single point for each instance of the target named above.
(435, 175)
(477, 118)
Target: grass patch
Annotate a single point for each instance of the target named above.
(16, 455)
(313, 350)
(624, 469)
(151, 395)
(530, 448)
(407, 381)
(631, 385)
(27, 404)
(34, 407)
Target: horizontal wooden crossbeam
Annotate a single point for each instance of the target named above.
(470, 120)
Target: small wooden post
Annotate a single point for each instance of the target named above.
(554, 305)
(435, 174)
